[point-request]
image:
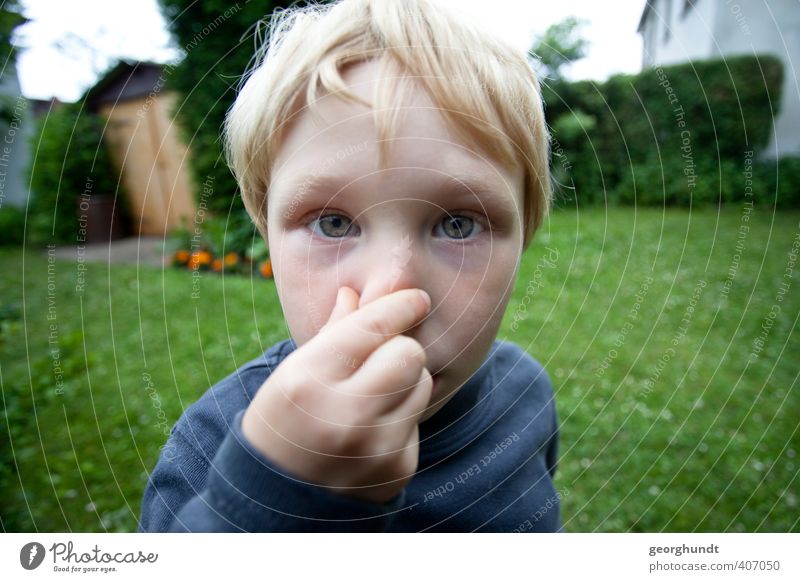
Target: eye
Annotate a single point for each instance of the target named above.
(459, 226)
(331, 225)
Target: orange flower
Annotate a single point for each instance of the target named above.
(266, 268)
(216, 265)
(182, 257)
(231, 259)
(198, 259)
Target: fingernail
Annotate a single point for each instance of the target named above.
(425, 297)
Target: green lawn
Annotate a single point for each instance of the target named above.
(675, 378)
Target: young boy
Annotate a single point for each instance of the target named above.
(395, 158)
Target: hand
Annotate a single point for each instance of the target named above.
(342, 410)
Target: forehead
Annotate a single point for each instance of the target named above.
(339, 148)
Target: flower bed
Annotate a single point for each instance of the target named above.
(204, 260)
(225, 245)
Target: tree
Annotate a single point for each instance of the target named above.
(560, 45)
(71, 159)
(216, 37)
(10, 19)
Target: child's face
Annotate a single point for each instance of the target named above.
(335, 219)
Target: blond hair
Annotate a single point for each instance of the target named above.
(484, 87)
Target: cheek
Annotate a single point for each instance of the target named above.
(477, 309)
(306, 288)
(475, 304)
(305, 260)
(487, 285)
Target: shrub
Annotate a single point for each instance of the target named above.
(69, 158)
(667, 183)
(12, 225)
(700, 116)
(217, 39)
(777, 182)
(220, 243)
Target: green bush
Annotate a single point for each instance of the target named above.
(580, 183)
(235, 233)
(666, 183)
(217, 238)
(218, 235)
(777, 182)
(12, 225)
(68, 159)
(217, 38)
(653, 127)
(774, 182)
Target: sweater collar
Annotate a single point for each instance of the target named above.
(461, 419)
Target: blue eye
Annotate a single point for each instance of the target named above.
(458, 226)
(455, 226)
(332, 225)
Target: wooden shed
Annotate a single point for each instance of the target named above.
(145, 144)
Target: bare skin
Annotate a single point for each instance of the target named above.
(373, 238)
(343, 409)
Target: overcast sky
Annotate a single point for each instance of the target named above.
(68, 44)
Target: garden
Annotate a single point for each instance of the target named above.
(678, 410)
(660, 295)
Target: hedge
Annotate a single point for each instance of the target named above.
(69, 158)
(218, 39)
(677, 135)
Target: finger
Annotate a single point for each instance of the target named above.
(411, 451)
(416, 402)
(346, 302)
(354, 337)
(389, 374)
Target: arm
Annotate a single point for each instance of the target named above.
(241, 490)
(308, 451)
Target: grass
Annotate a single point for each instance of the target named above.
(676, 386)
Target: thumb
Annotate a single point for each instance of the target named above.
(346, 303)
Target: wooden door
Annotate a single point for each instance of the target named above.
(145, 146)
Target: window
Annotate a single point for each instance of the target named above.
(687, 7)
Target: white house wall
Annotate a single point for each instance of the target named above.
(15, 146)
(768, 28)
(713, 28)
(674, 37)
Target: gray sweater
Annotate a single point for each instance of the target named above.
(486, 463)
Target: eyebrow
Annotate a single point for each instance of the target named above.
(474, 188)
(468, 187)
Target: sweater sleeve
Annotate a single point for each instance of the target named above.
(242, 490)
(551, 454)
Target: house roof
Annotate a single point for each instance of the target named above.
(648, 8)
(125, 80)
(41, 106)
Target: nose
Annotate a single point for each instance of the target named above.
(387, 265)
